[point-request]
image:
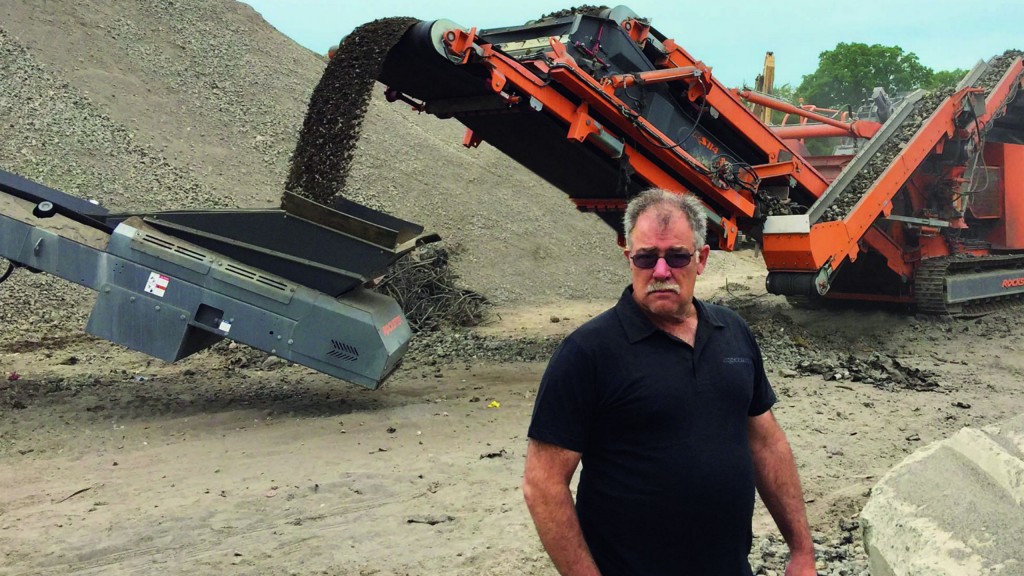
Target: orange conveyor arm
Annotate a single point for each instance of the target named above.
(804, 244)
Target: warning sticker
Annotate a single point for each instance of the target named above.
(225, 327)
(157, 284)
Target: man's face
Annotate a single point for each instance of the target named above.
(665, 292)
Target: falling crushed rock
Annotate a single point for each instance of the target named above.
(424, 285)
(331, 129)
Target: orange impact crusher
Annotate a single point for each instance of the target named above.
(925, 209)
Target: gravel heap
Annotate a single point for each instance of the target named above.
(842, 554)
(142, 106)
(242, 89)
(117, 172)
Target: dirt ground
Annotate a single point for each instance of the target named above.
(229, 463)
(232, 463)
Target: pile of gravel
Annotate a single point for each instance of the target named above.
(841, 554)
(41, 127)
(448, 347)
(46, 119)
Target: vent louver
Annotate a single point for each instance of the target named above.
(343, 351)
(171, 246)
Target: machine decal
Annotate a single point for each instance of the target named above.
(708, 144)
(391, 325)
(157, 284)
(224, 327)
(1013, 282)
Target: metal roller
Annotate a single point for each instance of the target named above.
(418, 66)
(792, 284)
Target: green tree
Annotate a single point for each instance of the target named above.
(945, 78)
(847, 73)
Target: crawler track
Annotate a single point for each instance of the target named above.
(930, 285)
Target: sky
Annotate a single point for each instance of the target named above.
(731, 37)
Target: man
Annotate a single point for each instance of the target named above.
(665, 401)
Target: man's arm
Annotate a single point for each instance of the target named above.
(779, 486)
(549, 470)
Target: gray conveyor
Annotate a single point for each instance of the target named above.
(286, 281)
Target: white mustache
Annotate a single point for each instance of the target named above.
(656, 286)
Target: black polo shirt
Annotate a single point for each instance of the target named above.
(667, 485)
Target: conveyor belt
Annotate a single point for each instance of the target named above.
(861, 175)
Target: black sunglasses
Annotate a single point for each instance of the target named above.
(649, 260)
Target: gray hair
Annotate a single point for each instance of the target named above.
(686, 203)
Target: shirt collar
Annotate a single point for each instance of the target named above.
(638, 326)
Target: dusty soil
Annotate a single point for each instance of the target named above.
(230, 462)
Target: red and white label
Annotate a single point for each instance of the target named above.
(391, 325)
(157, 284)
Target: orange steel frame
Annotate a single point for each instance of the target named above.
(731, 108)
(683, 172)
(1011, 194)
(826, 127)
(827, 243)
(830, 243)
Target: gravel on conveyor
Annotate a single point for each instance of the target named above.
(587, 9)
(997, 67)
(883, 158)
(885, 155)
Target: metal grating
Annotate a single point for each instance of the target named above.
(239, 271)
(256, 277)
(343, 351)
(172, 247)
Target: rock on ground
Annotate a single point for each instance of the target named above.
(953, 507)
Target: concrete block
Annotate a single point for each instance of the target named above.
(954, 507)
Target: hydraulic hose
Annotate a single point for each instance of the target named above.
(7, 273)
